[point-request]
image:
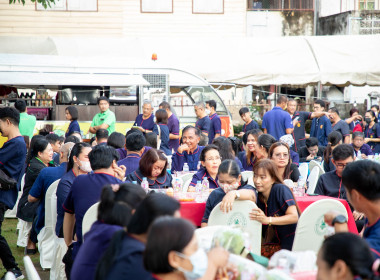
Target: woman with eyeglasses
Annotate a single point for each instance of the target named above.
(210, 161)
(280, 154)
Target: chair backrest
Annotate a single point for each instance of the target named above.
(311, 227)
(239, 216)
(248, 176)
(313, 179)
(89, 218)
(206, 234)
(31, 271)
(51, 204)
(313, 164)
(304, 170)
(10, 276)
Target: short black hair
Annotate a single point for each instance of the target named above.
(11, 114)
(73, 111)
(211, 103)
(101, 134)
(164, 105)
(334, 110)
(282, 99)
(243, 110)
(197, 131)
(311, 142)
(210, 147)
(363, 176)
(321, 103)
(135, 142)
(102, 156)
(342, 152)
(245, 138)
(358, 134)
(266, 140)
(375, 106)
(161, 116)
(20, 105)
(116, 140)
(151, 140)
(103, 98)
(133, 130)
(76, 151)
(52, 138)
(72, 139)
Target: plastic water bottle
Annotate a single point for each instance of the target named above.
(185, 167)
(177, 187)
(376, 157)
(145, 184)
(199, 165)
(300, 191)
(205, 185)
(198, 191)
(359, 156)
(134, 182)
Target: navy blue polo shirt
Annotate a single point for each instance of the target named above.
(217, 196)
(238, 161)
(342, 127)
(84, 193)
(191, 159)
(146, 124)
(328, 166)
(250, 126)
(204, 124)
(73, 127)
(164, 138)
(365, 149)
(373, 132)
(213, 184)
(280, 198)
(276, 121)
(299, 130)
(46, 177)
(12, 159)
(63, 190)
(131, 162)
(330, 184)
(320, 129)
(241, 156)
(173, 125)
(294, 157)
(91, 251)
(129, 262)
(215, 127)
(246, 166)
(122, 153)
(162, 182)
(372, 235)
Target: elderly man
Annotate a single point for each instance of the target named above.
(203, 123)
(145, 121)
(105, 119)
(339, 125)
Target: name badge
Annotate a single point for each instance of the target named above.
(321, 126)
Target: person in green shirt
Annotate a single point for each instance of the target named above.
(27, 122)
(105, 119)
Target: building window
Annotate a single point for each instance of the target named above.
(281, 5)
(366, 5)
(156, 6)
(208, 7)
(70, 5)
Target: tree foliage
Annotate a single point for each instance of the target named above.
(44, 3)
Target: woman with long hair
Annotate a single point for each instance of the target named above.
(333, 140)
(280, 154)
(250, 156)
(71, 114)
(162, 131)
(226, 151)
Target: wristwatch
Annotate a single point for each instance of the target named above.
(340, 219)
(237, 195)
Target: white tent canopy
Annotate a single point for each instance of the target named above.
(331, 60)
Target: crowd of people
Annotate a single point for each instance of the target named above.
(141, 236)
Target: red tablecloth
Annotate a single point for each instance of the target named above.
(193, 211)
(305, 275)
(305, 201)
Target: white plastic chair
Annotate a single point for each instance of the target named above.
(313, 179)
(57, 271)
(313, 164)
(239, 216)
(304, 170)
(31, 271)
(10, 276)
(23, 232)
(47, 235)
(311, 227)
(248, 176)
(11, 213)
(89, 218)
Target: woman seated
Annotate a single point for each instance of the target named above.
(114, 213)
(333, 140)
(249, 158)
(265, 141)
(280, 154)
(346, 256)
(152, 166)
(231, 188)
(162, 131)
(226, 151)
(277, 209)
(172, 252)
(210, 160)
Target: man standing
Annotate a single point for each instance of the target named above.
(375, 109)
(339, 125)
(321, 126)
(145, 121)
(203, 123)
(105, 119)
(27, 122)
(249, 124)
(12, 158)
(277, 122)
(173, 125)
(216, 124)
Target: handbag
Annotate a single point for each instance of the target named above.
(7, 183)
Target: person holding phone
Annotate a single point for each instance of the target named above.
(311, 151)
(145, 121)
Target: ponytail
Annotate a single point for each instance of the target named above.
(327, 153)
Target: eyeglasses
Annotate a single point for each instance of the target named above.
(342, 165)
(281, 155)
(212, 159)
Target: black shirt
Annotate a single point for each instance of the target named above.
(304, 153)
(330, 184)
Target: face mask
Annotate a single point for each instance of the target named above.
(228, 187)
(199, 261)
(85, 166)
(207, 111)
(367, 120)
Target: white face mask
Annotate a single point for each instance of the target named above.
(199, 260)
(228, 187)
(85, 166)
(207, 111)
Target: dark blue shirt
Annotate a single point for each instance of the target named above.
(217, 196)
(162, 182)
(294, 157)
(63, 190)
(73, 127)
(146, 124)
(276, 121)
(299, 130)
(280, 198)
(365, 149)
(215, 127)
(328, 166)
(131, 162)
(91, 251)
(46, 177)
(372, 235)
(173, 125)
(204, 124)
(246, 166)
(213, 183)
(320, 129)
(342, 127)
(12, 159)
(164, 138)
(330, 184)
(373, 132)
(192, 159)
(84, 193)
(250, 126)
